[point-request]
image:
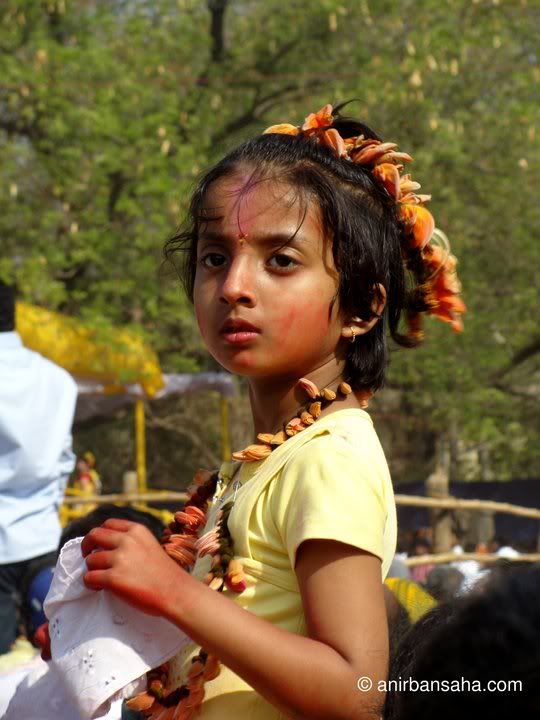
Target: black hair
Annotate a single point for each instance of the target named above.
(357, 213)
(444, 582)
(81, 526)
(493, 635)
(7, 307)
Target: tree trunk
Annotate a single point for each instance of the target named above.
(217, 28)
(437, 486)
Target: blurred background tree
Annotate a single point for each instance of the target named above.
(109, 110)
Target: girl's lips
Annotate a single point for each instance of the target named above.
(239, 337)
(237, 331)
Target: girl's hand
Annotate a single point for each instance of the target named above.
(125, 558)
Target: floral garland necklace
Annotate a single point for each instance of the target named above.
(183, 544)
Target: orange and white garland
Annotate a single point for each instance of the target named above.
(440, 286)
(182, 543)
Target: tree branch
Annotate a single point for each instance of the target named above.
(518, 358)
(259, 107)
(217, 28)
(174, 426)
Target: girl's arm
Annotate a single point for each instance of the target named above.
(305, 677)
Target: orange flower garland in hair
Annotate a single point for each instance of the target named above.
(424, 246)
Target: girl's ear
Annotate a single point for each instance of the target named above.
(356, 326)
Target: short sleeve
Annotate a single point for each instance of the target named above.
(336, 490)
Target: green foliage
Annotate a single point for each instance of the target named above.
(110, 108)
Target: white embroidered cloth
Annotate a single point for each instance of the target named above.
(100, 645)
(40, 694)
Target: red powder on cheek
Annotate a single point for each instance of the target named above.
(304, 324)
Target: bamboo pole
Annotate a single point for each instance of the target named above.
(453, 503)
(127, 498)
(451, 557)
(140, 445)
(414, 500)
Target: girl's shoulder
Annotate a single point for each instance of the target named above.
(345, 454)
(346, 433)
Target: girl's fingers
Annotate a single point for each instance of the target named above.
(102, 560)
(118, 524)
(100, 538)
(95, 579)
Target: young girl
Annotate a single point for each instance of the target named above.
(306, 246)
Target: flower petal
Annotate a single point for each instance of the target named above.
(373, 152)
(140, 702)
(282, 129)
(252, 453)
(311, 389)
(388, 175)
(321, 119)
(332, 139)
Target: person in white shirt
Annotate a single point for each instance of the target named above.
(37, 405)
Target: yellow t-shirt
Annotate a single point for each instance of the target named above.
(329, 481)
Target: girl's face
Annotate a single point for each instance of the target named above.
(265, 264)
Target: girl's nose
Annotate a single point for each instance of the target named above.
(238, 286)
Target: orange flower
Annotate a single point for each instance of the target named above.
(420, 222)
(443, 298)
(141, 702)
(235, 579)
(236, 582)
(407, 185)
(365, 397)
(435, 256)
(252, 453)
(388, 175)
(393, 157)
(183, 541)
(279, 438)
(282, 129)
(332, 139)
(318, 121)
(208, 543)
(413, 199)
(182, 556)
(294, 426)
(372, 152)
(309, 386)
(191, 517)
(449, 310)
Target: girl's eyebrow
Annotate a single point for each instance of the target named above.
(267, 240)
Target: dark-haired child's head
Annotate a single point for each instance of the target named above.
(490, 636)
(320, 246)
(7, 307)
(421, 547)
(81, 526)
(444, 583)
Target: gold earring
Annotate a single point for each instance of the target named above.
(353, 331)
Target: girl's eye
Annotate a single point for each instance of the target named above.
(284, 262)
(212, 260)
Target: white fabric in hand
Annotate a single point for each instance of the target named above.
(100, 645)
